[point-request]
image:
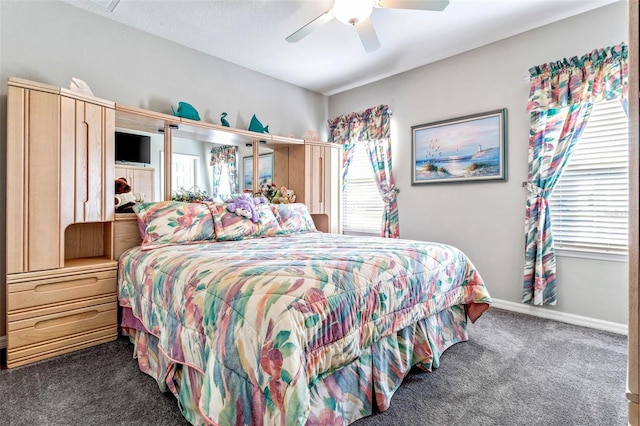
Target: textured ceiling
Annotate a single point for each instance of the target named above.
(332, 59)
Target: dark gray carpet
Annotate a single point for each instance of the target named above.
(514, 370)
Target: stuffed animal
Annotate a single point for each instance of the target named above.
(125, 199)
(260, 200)
(244, 205)
(284, 196)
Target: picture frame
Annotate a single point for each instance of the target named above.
(265, 171)
(464, 149)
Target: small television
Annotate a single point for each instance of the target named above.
(132, 148)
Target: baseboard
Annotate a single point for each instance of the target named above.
(536, 311)
(3, 342)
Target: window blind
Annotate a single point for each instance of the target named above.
(589, 205)
(362, 204)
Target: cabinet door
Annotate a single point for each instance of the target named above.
(123, 172)
(143, 182)
(33, 176)
(315, 188)
(325, 166)
(140, 179)
(333, 187)
(88, 133)
(17, 116)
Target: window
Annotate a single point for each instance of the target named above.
(184, 171)
(362, 204)
(224, 186)
(589, 205)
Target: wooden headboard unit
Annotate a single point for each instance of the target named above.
(126, 233)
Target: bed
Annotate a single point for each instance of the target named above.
(274, 323)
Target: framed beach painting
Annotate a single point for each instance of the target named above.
(265, 171)
(465, 149)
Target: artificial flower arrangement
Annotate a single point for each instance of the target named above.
(267, 190)
(192, 195)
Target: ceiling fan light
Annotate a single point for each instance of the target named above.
(352, 12)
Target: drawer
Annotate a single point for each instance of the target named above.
(56, 290)
(29, 354)
(66, 324)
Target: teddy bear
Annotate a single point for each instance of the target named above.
(125, 198)
(284, 196)
(244, 205)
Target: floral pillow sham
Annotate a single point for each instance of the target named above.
(174, 222)
(294, 218)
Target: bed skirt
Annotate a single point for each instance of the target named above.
(354, 391)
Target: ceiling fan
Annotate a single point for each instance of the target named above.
(356, 13)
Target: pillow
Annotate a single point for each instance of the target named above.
(174, 222)
(294, 218)
(229, 226)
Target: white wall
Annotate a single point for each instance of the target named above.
(486, 220)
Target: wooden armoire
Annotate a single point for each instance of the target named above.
(61, 276)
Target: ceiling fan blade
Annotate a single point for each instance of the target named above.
(311, 26)
(368, 36)
(435, 5)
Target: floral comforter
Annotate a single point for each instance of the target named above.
(265, 319)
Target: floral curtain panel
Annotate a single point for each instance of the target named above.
(220, 156)
(380, 155)
(561, 98)
(371, 126)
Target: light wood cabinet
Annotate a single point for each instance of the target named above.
(140, 179)
(61, 276)
(313, 171)
(59, 157)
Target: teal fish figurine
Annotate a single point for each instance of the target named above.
(185, 110)
(224, 122)
(256, 126)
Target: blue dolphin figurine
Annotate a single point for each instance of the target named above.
(185, 110)
(256, 126)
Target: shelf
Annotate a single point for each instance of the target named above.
(154, 122)
(208, 132)
(143, 120)
(89, 262)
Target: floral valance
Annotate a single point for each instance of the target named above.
(370, 124)
(597, 76)
(224, 154)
